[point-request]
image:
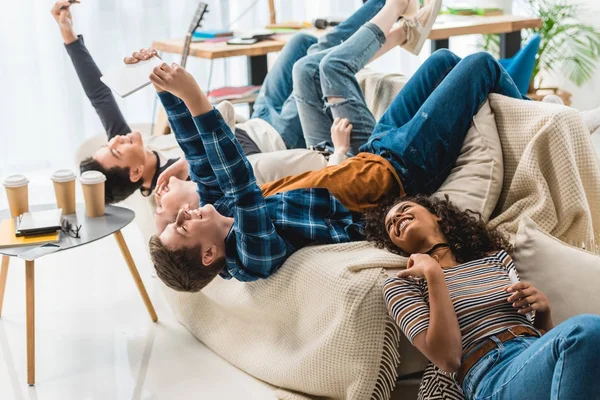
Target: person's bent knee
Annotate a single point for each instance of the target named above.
(302, 39)
(445, 55)
(481, 58)
(330, 67)
(589, 323)
(304, 72)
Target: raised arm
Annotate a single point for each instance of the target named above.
(89, 74)
(341, 131)
(260, 249)
(187, 136)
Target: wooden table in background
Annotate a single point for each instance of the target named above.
(508, 26)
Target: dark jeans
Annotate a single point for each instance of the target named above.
(423, 130)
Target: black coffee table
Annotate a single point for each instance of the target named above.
(115, 219)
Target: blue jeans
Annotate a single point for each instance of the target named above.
(423, 130)
(315, 115)
(563, 364)
(276, 103)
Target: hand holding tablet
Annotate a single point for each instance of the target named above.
(133, 75)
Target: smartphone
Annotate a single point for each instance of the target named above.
(245, 41)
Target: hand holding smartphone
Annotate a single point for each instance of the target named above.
(70, 2)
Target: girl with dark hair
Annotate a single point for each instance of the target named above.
(460, 302)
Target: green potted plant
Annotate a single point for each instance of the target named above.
(567, 44)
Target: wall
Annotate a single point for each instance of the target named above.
(588, 96)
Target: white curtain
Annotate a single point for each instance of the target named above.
(44, 114)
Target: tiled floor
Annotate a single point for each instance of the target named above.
(94, 337)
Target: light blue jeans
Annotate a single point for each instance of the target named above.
(422, 131)
(331, 73)
(564, 364)
(276, 103)
(315, 116)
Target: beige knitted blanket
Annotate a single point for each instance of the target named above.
(551, 171)
(312, 328)
(319, 326)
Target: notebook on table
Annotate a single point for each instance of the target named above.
(8, 238)
(39, 222)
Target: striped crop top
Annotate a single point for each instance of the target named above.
(476, 290)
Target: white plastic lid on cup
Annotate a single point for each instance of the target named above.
(16, 181)
(92, 177)
(63, 175)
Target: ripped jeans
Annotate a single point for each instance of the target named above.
(423, 129)
(276, 103)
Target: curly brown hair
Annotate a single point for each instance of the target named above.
(468, 236)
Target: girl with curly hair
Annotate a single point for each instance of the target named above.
(460, 302)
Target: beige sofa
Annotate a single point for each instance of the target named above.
(319, 327)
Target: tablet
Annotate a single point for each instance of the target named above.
(129, 78)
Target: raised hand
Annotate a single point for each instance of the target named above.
(142, 55)
(175, 80)
(341, 131)
(419, 265)
(179, 169)
(61, 11)
(527, 298)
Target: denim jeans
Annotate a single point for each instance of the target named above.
(276, 103)
(315, 115)
(562, 364)
(423, 129)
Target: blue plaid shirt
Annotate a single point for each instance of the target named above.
(266, 231)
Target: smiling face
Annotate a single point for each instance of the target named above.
(176, 195)
(412, 228)
(202, 228)
(124, 151)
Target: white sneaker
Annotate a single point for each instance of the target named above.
(228, 112)
(418, 28)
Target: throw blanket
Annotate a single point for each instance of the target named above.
(319, 326)
(551, 172)
(313, 318)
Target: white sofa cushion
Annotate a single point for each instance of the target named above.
(569, 276)
(475, 182)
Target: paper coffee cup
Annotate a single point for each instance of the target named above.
(64, 190)
(18, 194)
(92, 183)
